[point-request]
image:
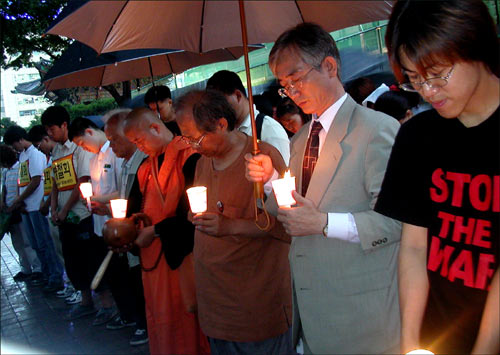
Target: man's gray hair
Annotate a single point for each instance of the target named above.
(311, 42)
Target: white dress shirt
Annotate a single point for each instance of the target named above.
(105, 170)
(340, 225)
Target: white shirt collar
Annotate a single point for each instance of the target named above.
(128, 163)
(68, 143)
(246, 122)
(327, 117)
(105, 147)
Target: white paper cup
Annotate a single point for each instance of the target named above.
(197, 199)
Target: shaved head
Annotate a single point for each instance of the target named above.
(139, 118)
(143, 128)
(121, 146)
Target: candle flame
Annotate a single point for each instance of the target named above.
(287, 174)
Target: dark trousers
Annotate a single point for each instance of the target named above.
(280, 345)
(126, 286)
(83, 252)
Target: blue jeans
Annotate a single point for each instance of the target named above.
(37, 231)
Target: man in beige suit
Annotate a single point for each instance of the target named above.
(343, 255)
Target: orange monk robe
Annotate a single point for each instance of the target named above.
(171, 329)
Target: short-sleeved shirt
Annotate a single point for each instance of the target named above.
(105, 170)
(243, 283)
(70, 162)
(32, 162)
(446, 177)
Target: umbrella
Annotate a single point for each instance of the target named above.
(81, 66)
(204, 25)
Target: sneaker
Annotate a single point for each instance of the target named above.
(53, 287)
(20, 276)
(140, 337)
(66, 292)
(79, 311)
(119, 323)
(104, 315)
(75, 298)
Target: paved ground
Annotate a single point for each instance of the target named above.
(32, 322)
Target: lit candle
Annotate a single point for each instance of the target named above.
(119, 208)
(86, 190)
(283, 190)
(197, 199)
(420, 352)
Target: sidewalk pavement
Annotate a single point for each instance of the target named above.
(32, 322)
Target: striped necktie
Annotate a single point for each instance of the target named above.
(310, 156)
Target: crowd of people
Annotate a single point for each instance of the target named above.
(392, 244)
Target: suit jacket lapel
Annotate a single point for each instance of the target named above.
(298, 147)
(331, 153)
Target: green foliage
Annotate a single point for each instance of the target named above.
(35, 122)
(5, 123)
(97, 107)
(23, 23)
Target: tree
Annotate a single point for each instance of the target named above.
(5, 123)
(23, 24)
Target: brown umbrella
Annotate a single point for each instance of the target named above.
(81, 66)
(204, 25)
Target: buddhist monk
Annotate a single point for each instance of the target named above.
(166, 246)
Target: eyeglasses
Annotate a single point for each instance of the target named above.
(290, 89)
(431, 83)
(195, 143)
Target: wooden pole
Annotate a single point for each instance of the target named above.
(258, 187)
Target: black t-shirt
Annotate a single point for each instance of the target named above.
(446, 177)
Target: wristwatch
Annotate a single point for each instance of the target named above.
(325, 228)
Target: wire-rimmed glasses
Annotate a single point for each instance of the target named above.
(431, 83)
(195, 143)
(290, 89)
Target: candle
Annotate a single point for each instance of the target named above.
(283, 190)
(86, 190)
(197, 199)
(420, 352)
(119, 208)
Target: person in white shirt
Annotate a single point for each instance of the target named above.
(30, 265)
(82, 250)
(105, 171)
(229, 83)
(31, 166)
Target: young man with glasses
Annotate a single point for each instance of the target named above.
(343, 255)
(443, 177)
